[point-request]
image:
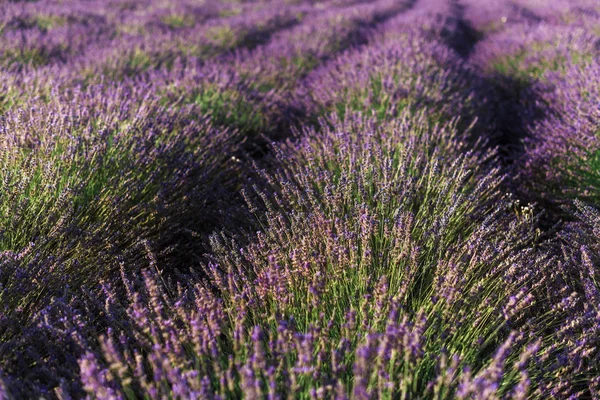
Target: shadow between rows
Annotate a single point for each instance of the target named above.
(458, 33)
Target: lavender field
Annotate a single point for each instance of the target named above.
(300, 199)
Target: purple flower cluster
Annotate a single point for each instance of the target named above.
(350, 199)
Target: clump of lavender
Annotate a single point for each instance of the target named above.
(111, 181)
(388, 281)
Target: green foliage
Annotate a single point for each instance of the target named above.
(581, 174)
(178, 21)
(226, 106)
(46, 23)
(223, 37)
(19, 58)
(131, 64)
(525, 65)
(362, 217)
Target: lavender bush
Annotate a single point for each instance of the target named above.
(357, 276)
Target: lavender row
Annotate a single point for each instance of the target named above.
(241, 69)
